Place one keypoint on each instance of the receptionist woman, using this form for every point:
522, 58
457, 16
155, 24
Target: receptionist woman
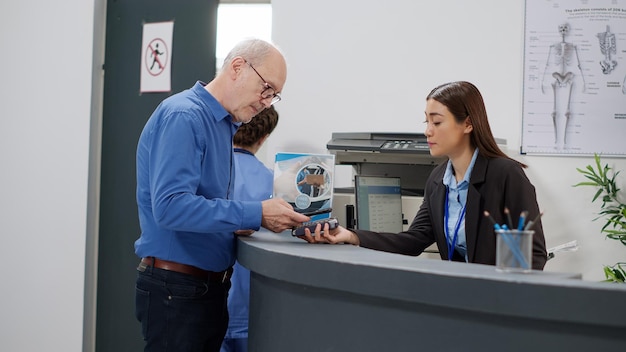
478, 177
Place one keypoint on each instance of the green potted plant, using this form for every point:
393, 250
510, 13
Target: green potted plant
612, 210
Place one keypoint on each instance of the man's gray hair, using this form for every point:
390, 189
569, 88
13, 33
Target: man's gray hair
253, 50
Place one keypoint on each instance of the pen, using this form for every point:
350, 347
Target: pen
495, 224
532, 222
522, 220
508, 216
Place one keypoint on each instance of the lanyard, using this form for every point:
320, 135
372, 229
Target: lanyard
452, 245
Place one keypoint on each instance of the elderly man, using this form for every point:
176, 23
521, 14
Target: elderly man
184, 195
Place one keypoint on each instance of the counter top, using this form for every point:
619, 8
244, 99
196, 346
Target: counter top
339, 271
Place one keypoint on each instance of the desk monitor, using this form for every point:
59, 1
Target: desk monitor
378, 203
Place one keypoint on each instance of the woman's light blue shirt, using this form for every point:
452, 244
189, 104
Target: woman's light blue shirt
457, 200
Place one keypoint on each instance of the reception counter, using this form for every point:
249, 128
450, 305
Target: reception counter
343, 298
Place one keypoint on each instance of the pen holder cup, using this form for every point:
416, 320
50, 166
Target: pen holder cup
514, 250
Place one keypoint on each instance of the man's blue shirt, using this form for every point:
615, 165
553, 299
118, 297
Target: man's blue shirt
184, 180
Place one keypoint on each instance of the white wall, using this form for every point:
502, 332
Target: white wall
370, 70
45, 112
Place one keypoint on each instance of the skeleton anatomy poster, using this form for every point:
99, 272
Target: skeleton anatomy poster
574, 77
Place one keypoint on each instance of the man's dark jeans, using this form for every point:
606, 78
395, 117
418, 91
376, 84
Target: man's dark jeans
179, 312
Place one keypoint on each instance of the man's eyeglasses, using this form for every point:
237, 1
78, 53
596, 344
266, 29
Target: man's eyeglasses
269, 91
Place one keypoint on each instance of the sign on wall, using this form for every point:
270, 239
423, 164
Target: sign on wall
574, 77
156, 57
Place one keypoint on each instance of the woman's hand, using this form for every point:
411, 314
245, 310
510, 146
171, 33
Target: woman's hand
334, 236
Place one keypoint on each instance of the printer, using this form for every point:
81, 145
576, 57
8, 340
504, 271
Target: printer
404, 155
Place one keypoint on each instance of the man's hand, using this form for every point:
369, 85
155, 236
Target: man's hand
279, 216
